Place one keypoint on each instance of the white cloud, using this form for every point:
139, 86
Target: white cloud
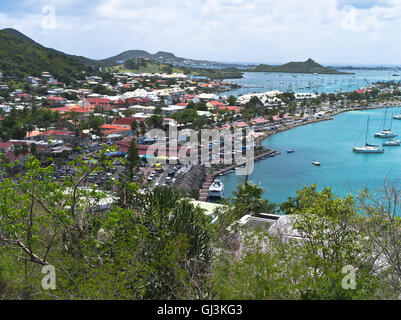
225, 30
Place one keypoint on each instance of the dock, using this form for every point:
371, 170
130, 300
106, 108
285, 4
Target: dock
204, 192
269, 153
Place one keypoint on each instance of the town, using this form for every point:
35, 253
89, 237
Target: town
44, 117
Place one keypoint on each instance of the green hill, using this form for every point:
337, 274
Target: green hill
21, 56
309, 66
135, 54
153, 66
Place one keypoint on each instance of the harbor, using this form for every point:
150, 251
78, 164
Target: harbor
330, 143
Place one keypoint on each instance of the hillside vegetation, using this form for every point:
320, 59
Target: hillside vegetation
20, 57
309, 66
152, 66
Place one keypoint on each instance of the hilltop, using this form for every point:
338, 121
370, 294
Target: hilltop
308, 66
21, 56
134, 54
138, 65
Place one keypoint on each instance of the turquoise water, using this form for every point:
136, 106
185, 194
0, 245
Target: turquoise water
263, 81
330, 143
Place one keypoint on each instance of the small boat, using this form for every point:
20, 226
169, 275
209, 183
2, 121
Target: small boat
392, 143
316, 163
290, 151
216, 190
397, 117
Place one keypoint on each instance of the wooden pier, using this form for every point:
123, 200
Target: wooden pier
269, 153
204, 192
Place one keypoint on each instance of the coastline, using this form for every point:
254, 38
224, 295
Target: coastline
263, 135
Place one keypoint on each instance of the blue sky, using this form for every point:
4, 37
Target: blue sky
271, 31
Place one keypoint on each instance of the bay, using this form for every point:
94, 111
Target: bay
331, 143
300, 82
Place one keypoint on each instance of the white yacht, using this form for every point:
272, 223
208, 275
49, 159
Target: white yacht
385, 133
368, 148
316, 163
216, 190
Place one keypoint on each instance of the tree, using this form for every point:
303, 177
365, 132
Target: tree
324, 238
154, 122
231, 100
127, 175
163, 249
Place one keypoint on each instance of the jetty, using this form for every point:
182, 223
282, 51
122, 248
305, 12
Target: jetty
204, 192
267, 154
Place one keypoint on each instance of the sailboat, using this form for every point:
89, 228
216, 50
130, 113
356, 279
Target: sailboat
385, 133
392, 143
368, 148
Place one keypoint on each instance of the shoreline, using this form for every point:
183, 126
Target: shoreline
267, 134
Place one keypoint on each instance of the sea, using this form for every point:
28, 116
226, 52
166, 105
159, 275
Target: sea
329, 142
299, 82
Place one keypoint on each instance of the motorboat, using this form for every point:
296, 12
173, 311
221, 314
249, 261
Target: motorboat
316, 163
216, 190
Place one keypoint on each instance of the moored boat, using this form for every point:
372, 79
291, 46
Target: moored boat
316, 163
216, 190
392, 143
386, 133
368, 148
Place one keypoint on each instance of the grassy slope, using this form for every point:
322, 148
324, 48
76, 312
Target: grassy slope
308, 66
20, 57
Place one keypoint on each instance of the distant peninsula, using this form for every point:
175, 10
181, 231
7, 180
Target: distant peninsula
308, 66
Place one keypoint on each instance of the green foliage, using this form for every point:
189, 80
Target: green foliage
309, 267
19, 58
308, 66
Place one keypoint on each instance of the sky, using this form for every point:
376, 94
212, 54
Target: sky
257, 31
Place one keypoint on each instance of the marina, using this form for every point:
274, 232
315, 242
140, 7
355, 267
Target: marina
331, 142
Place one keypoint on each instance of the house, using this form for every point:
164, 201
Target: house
172, 109
208, 97
259, 122
230, 108
99, 102
118, 132
214, 104
142, 109
5, 147
56, 101
301, 96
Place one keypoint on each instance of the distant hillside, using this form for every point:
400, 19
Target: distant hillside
134, 54
308, 66
17, 34
153, 66
21, 56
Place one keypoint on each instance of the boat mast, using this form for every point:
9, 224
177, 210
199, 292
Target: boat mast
367, 129
384, 121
